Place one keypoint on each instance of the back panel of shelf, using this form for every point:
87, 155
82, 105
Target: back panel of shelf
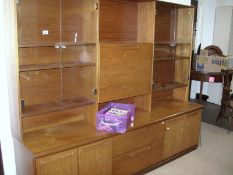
126, 21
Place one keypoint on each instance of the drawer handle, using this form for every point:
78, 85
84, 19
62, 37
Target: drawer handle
163, 123
128, 46
168, 128
139, 151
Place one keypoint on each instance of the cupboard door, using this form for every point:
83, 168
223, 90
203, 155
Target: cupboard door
96, 158
173, 142
192, 129
64, 163
125, 71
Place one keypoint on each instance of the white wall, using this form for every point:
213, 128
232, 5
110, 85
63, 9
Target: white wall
8, 90
206, 18
183, 2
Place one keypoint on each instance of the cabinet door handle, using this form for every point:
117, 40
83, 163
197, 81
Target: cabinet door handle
168, 128
163, 123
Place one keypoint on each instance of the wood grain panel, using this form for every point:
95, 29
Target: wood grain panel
163, 24
136, 139
192, 129
161, 94
146, 21
34, 16
40, 87
82, 54
182, 71
39, 55
118, 21
96, 158
184, 26
138, 159
125, 71
90, 21
78, 82
163, 71
173, 142
143, 102
71, 20
181, 93
64, 163
78, 20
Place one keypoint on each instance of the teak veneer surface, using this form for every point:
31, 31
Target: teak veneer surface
62, 137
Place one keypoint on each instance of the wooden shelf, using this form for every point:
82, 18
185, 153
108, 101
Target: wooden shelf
168, 43
77, 102
40, 109
51, 107
33, 67
77, 64
53, 44
168, 86
164, 58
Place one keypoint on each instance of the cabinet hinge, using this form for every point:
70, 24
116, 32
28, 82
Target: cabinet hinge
96, 5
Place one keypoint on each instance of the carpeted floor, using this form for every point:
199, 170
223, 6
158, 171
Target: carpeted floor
213, 157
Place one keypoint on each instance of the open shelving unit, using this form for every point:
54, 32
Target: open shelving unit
172, 50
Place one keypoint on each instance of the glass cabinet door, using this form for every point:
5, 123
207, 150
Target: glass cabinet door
78, 51
38, 22
39, 56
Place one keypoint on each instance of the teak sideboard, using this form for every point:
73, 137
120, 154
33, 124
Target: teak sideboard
76, 56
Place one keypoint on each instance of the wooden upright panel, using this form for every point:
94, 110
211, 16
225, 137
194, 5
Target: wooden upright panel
192, 129
38, 22
64, 163
146, 21
96, 158
125, 71
184, 25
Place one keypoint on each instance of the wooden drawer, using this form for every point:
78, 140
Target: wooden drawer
125, 71
138, 159
138, 138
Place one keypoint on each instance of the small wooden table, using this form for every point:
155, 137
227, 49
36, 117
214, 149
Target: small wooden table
204, 77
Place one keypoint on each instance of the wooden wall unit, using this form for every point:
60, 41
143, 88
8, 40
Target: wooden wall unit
77, 56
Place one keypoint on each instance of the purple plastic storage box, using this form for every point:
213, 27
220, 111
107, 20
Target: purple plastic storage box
115, 117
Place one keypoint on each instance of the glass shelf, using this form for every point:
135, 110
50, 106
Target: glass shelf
34, 67
167, 86
164, 58
52, 107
